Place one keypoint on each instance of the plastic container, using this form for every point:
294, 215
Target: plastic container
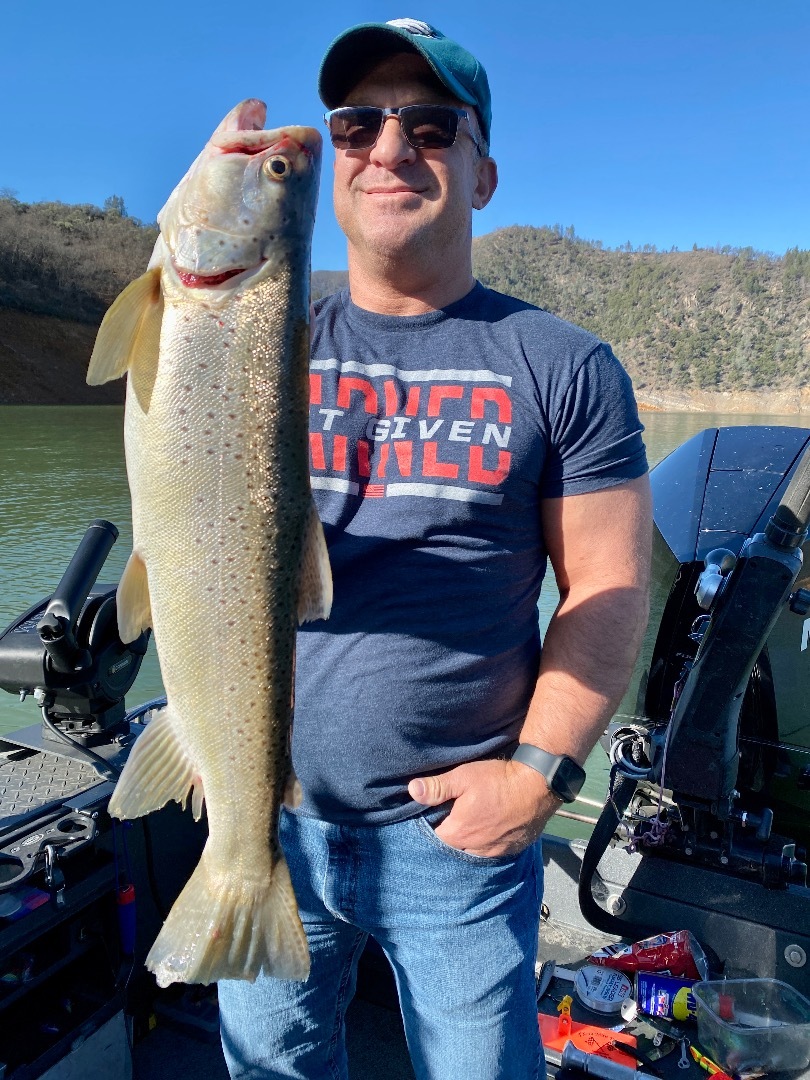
753, 1025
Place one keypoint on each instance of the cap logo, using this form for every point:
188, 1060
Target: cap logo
414, 26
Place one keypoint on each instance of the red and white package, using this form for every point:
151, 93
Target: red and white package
677, 953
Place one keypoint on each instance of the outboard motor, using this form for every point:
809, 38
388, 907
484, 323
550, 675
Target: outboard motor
711, 746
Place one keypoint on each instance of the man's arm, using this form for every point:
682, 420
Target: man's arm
599, 546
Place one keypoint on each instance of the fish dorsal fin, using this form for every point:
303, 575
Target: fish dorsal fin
315, 592
129, 335
134, 605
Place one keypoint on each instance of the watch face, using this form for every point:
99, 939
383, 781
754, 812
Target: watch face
568, 779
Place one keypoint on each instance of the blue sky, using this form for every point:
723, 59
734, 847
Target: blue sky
669, 124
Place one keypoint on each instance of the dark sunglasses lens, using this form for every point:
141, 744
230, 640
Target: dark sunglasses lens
429, 127
355, 129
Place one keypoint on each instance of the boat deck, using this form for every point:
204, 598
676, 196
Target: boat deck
375, 1039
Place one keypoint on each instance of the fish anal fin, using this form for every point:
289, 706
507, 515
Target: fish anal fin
134, 604
221, 928
315, 589
129, 335
158, 770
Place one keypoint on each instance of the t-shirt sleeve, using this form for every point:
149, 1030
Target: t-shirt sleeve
595, 439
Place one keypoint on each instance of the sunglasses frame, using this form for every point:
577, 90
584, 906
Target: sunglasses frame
384, 113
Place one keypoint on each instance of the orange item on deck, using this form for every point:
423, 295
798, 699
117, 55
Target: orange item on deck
586, 1037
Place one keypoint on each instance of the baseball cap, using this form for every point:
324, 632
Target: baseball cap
456, 68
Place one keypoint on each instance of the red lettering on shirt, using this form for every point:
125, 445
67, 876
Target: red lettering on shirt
482, 394
364, 457
432, 467
391, 397
316, 450
315, 389
339, 453
438, 394
383, 459
412, 406
347, 383
404, 453
480, 475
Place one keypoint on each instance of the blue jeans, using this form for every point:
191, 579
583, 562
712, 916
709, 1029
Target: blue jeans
459, 930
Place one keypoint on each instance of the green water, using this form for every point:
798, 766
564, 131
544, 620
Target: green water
62, 467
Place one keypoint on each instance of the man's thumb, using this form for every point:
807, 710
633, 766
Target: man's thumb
435, 790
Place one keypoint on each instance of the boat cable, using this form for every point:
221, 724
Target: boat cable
105, 768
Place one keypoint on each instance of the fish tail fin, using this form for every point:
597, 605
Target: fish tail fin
219, 928
158, 770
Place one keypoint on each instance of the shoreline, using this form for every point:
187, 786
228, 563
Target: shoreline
794, 402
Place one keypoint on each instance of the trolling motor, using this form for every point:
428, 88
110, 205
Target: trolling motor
66, 652
711, 746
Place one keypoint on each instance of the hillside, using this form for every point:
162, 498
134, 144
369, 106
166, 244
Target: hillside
683, 321
726, 329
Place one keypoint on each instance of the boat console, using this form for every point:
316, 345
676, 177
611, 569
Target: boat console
71, 952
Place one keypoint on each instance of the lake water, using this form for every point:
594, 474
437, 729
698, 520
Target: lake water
62, 467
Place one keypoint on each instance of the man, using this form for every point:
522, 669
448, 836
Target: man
458, 438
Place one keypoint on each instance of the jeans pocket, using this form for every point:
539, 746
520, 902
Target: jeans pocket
427, 824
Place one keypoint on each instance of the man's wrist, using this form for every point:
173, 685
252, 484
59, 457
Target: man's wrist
562, 774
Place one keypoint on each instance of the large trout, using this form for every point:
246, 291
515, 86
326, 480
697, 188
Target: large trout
228, 551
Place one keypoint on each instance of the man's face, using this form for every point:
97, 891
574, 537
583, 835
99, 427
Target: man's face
393, 200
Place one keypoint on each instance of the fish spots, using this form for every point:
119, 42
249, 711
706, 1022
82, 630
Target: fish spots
202, 367
210, 415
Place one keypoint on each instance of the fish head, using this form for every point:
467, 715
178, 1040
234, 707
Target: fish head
246, 204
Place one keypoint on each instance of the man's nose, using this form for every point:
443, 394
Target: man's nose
392, 148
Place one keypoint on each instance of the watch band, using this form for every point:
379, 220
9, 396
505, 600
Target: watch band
565, 786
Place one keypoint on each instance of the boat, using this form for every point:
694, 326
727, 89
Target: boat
705, 828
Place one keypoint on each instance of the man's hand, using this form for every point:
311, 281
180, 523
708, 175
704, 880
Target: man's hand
499, 807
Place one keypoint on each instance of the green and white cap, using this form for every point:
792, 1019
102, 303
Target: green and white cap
352, 51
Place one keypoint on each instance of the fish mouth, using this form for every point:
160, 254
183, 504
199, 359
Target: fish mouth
208, 281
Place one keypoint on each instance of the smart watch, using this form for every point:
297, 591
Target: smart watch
562, 774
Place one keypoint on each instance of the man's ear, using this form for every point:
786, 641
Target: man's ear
486, 182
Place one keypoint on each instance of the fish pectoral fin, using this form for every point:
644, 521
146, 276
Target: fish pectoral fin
158, 769
133, 601
315, 592
293, 792
129, 335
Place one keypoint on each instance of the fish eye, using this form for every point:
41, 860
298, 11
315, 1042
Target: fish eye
277, 167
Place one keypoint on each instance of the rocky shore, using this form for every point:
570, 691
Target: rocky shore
747, 402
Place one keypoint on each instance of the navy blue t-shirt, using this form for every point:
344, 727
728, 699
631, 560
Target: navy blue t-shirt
433, 440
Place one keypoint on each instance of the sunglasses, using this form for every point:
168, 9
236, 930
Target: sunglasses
426, 127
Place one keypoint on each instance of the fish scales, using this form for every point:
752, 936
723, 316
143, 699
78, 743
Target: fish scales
228, 553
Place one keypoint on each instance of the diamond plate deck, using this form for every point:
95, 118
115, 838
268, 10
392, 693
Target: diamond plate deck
31, 779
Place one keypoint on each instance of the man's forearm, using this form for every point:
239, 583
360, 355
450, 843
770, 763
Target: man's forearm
589, 650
